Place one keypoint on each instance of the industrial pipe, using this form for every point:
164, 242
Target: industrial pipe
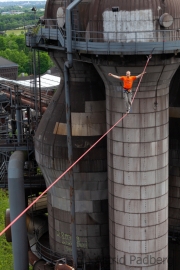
69, 32
36, 227
60, 266
32, 257
68, 65
19, 123
26, 102
70, 173
37, 223
41, 264
17, 206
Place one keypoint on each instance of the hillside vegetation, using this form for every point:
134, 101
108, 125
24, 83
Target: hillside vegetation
13, 48
6, 261
8, 22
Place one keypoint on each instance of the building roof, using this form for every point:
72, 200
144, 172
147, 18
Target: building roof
6, 63
47, 82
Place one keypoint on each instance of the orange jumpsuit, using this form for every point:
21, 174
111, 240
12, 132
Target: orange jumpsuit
127, 92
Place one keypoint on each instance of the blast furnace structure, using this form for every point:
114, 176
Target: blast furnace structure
87, 40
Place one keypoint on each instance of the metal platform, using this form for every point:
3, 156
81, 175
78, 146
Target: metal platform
51, 36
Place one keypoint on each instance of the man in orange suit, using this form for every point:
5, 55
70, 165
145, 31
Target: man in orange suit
127, 87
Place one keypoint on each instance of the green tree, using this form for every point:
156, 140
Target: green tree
8, 22
12, 45
45, 62
20, 40
2, 43
6, 261
13, 48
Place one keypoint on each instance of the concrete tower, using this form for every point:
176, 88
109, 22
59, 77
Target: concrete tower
138, 146
138, 169
90, 174
115, 36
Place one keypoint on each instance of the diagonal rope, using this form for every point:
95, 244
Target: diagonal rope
89, 149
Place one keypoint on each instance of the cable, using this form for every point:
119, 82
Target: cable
89, 149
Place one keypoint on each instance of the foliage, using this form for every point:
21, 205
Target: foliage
45, 62
16, 5
35, 29
13, 48
6, 261
8, 22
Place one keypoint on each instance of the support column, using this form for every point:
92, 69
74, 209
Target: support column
88, 123
17, 206
138, 169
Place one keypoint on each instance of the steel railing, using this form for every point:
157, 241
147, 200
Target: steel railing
50, 255
102, 36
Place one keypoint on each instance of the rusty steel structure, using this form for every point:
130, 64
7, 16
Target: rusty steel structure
88, 123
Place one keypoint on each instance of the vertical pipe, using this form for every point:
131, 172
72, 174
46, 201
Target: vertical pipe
69, 31
40, 106
71, 176
35, 84
67, 65
17, 205
10, 96
19, 124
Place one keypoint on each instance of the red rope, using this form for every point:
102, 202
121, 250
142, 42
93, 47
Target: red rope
25, 210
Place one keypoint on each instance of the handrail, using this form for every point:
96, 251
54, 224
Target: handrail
11, 141
50, 255
53, 25
110, 42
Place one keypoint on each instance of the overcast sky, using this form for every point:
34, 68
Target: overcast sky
22, 0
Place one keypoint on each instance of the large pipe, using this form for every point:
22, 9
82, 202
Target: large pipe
19, 123
35, 84
69, 31
60, 266
38, 224
17, 205
67, 65
70, 158
27, 102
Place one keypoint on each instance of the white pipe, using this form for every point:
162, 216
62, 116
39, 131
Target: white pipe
17, 205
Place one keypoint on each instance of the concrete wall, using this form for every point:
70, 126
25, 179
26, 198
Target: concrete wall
138, 168
9, 72
174, 153
90, 174
174, 174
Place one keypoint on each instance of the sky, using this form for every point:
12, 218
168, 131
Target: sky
23, 0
